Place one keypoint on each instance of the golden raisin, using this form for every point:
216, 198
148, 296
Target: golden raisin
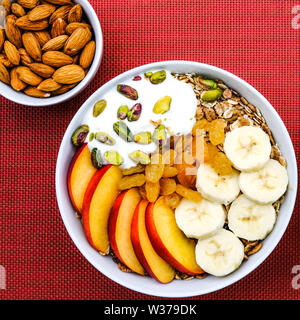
170, 172
216, 131
154, 172
221, 164
188, 194
132, 170
167, 186
172, 200
187, 175
200, 125
200, 150
135, 180
152, 190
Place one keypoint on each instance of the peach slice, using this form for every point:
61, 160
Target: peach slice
157, 268
120, 229
80, 173
99, 198
168, 240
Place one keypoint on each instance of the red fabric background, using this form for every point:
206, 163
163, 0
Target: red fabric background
252, 39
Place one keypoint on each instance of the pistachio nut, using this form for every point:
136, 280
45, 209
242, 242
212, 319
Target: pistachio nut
123, 131
208, 83
143, 137
79, 135
96, 158
127, 91
160, 135
113, 157
148, 74
122, 112
211, 95
158, 77
162, 105
99, 107
91, 137
139, 157
105, 138
135, 112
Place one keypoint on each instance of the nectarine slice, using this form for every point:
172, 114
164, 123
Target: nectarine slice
99, 198
168, 240
120, 229
80, 173
157, 268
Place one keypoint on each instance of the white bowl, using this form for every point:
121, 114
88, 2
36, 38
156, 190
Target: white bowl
177, 288
21, 98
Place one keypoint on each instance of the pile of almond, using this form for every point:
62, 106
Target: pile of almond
46, 46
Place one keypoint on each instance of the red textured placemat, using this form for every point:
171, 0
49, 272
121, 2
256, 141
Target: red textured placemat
252, 39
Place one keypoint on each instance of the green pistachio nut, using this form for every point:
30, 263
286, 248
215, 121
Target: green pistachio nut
207, 83
148, 74
122, 112
139, 157
160, 135
134, 113
162, 105
96, 158
127, 91
143, 137
105, 138
123, 131
79, 135
113, 157
91, 137
158, 77
99, 107
211, 95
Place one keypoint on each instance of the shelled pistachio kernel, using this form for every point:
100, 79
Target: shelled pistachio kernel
105, 138
139, 157
148, 74
123, 131
211, 84
96, 158
91, 137
127, 91
99, 107
79, 135
143, 137
113, 157
134, 113
158, 77
162, 105
160, 135
122, 112
211, 95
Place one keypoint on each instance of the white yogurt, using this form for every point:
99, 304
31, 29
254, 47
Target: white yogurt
179, 119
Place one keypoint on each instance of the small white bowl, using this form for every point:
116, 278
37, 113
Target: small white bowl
177, 288
21, 98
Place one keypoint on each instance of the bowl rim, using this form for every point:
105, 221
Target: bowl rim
134, 284
23, 99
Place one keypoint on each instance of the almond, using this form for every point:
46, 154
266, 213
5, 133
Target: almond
12, 53
56, 59
13, 33
15, 82
69, 74
42, 37
4, 60
25, 24
25, 57
63, 89
7, 5
4, 74
58, 28
75, 14
61, 12
32, 46
26, 75
17, 10
28, 4
41, 69
60, 2
71, 27
2, 38
35, 92
41, 12
78, 39
87, 55
49, 85
55, 43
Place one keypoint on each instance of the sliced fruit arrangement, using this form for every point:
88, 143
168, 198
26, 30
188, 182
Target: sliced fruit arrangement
199, 203
47, 46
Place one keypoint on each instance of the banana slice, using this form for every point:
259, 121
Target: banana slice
265, 185
249, 220
199, 219
219, 189
248, 148
220, 254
